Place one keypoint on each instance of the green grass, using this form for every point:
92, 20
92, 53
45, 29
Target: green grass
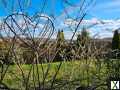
74, 72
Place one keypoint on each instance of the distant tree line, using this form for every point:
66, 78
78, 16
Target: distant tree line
84, 47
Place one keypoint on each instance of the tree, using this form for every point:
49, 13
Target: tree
60, 45
60, 38
82, 44
116, 40
82, 38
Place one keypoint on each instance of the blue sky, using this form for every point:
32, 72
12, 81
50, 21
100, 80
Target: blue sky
100, 10
106, 9
103, 9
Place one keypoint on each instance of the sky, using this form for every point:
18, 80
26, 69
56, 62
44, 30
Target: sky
104, 13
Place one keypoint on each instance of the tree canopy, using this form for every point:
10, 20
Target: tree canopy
116, 40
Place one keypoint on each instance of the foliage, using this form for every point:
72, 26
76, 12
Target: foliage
60, 46
28, 56
116, 40
5, 53
83, 38
82, 43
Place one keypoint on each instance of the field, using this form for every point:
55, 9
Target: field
70, 75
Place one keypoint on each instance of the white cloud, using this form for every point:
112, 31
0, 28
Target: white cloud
104, 28
27, 27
